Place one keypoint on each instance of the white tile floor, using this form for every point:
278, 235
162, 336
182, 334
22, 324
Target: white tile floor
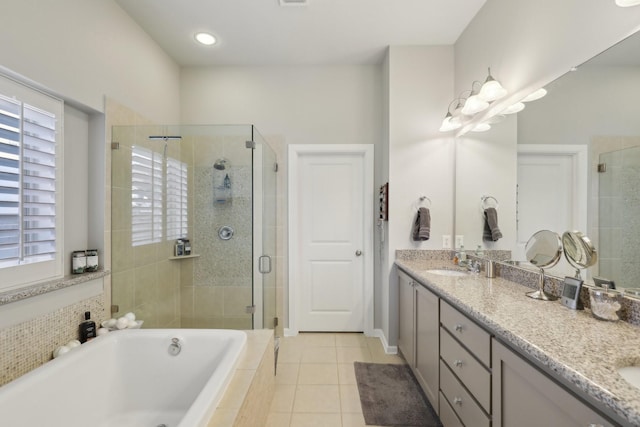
316, 383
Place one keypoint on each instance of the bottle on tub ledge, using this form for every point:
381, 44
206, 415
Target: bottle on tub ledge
87, 328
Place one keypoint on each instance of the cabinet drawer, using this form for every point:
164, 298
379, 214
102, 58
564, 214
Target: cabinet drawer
472, 336
448, 416
460, 400
471, 373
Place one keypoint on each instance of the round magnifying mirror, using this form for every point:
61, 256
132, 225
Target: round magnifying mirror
543, 250
578, 250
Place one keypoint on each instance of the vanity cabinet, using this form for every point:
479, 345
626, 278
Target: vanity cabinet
465, 369
418, 337
406, 320
523, 396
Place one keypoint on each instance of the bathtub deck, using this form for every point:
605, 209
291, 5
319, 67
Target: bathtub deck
248, 397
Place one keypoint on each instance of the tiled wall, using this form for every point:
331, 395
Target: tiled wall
616, 206
28, 345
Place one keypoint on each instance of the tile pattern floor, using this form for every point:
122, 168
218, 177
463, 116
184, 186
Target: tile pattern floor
316, 383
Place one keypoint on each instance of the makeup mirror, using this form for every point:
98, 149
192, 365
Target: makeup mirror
579, 251
543, 250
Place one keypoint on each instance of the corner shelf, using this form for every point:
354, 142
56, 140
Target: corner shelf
184, 257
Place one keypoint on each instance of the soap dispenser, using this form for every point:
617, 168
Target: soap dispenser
87, 328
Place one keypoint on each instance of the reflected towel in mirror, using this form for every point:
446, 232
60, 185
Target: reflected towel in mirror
491, 231
422, 225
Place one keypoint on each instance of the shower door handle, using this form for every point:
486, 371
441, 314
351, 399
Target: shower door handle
261, 264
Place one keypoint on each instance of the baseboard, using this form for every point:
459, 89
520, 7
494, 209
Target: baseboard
388, 349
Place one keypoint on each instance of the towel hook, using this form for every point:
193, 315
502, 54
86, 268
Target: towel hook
421, 203
486, 202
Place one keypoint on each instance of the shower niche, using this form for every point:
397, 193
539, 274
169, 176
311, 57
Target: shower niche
208, 179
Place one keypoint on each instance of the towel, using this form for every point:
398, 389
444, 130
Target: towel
422, 225
491, 231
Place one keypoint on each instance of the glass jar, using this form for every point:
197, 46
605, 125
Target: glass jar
605, 304
78, 262
92, 260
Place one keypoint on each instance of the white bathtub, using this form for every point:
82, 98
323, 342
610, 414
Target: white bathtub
127, 379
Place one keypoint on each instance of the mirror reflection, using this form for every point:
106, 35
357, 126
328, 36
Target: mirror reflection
575, 166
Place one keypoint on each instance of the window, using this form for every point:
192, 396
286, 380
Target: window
149, 192
30, 179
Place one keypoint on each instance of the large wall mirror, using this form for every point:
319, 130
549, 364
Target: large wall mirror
574, 165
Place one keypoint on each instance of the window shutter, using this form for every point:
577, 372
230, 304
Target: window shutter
176, 199
146, 196
10, 125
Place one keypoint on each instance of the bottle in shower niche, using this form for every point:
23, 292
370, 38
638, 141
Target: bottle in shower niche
87, 328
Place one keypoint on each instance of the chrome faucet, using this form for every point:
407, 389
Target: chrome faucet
474, 266
175, 347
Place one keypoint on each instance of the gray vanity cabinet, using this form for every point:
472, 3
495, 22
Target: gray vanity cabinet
523, 396
406, 320
427, 367
418, 338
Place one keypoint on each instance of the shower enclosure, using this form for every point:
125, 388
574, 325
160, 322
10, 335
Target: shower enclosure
214, 185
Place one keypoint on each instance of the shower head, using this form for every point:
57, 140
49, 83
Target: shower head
220, 164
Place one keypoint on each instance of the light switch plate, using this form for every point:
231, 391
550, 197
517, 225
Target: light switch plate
459, 240
446, 241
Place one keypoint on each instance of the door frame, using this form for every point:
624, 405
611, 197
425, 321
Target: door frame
295, 152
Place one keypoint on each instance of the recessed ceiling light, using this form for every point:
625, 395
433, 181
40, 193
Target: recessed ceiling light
205, 39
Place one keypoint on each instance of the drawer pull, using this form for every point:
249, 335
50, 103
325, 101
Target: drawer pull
457, 401
457, 363
458, 328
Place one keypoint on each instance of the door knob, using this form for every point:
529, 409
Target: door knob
358, 252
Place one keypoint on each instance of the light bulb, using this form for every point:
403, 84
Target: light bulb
205, 39
492, 90
517, 107
474, 105
537, 94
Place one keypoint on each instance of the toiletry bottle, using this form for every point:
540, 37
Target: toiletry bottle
463, 255
87, 328
456, 257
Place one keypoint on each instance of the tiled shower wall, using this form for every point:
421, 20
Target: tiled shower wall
616, 204
144, 279
217, 286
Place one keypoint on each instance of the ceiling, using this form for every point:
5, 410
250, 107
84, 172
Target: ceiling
327, 32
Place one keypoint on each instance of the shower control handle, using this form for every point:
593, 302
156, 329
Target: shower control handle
358, 252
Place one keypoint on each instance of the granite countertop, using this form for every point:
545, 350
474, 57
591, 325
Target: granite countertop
571, 345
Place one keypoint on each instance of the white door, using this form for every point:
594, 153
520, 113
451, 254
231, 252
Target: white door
331, 220
552, 192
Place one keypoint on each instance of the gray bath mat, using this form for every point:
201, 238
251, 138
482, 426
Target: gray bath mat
390, 396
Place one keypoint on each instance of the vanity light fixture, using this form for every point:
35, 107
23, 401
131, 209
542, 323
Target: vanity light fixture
627, 3
451, 121
206, 39
491, 89
535, 95
474, 103
514, 108
481, 127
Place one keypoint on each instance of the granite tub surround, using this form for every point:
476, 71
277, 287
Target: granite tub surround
571, 346
50, 286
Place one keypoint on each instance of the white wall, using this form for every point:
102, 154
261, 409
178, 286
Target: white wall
291, 105
420, 159
82, 50
486, 166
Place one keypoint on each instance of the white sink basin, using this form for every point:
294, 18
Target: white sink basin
631, 374
444, 272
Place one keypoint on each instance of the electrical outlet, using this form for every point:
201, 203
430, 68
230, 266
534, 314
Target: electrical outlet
446, 241
459, 240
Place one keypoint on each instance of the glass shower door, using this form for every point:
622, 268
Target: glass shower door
264, 170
